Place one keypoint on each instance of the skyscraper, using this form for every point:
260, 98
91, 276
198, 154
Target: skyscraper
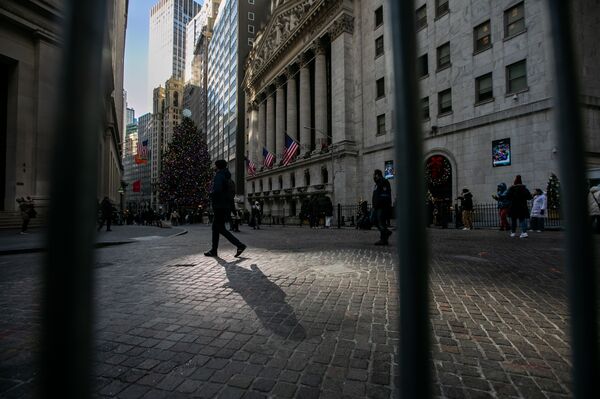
166, 48
233, 36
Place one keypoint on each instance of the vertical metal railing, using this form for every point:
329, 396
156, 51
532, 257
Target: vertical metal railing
67, 297
581, 268
413, 351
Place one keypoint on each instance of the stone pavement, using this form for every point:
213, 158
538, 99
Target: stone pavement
306, 314
11, 242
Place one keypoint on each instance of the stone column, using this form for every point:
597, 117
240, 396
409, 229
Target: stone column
304, 105
270, 121
253, 140
279, 119
292, 113
343, 176
262, 128
342, 91
320, 93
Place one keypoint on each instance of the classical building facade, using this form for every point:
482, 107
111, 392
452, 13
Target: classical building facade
320, 72
31, 41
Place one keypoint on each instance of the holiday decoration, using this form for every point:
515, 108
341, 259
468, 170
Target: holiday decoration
437, 170
553, 192
187, 170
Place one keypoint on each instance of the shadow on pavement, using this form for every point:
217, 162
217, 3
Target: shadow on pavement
265, 298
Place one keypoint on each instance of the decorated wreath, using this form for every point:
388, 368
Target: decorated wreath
437, 170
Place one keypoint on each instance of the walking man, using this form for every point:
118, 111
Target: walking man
222, 202
107, 209
466, 202
382, 204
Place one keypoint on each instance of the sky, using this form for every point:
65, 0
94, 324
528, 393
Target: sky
136, 56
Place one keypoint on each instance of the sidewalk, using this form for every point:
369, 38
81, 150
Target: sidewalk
11, 242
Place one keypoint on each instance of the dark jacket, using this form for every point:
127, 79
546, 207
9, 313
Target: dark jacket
502, 195
221, 196
325, 206
518, 196
106, 207
382, 194
466, 201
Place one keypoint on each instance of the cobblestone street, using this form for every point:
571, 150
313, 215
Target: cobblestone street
305, 314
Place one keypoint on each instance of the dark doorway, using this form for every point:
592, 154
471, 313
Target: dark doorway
438, 176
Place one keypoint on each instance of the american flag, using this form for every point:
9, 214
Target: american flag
291, 147
142, 153
269, 158
251, 167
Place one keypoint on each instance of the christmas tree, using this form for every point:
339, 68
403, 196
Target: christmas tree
553, 192
186, 169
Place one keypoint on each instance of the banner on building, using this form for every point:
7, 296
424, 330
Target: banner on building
142, 153
137, 186
501, 155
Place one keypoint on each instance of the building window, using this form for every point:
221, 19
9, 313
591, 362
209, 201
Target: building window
250, 16
250, 28
443, 56
422, 66
379, 46
306, 177
514, 20
425, 108
483, 88
441, 8
380, 124
445, 102
421, 21
482, 37
261, 185
380, 84
253, 187
270, 184
293, 179
280, 182
516, 77
324, 175
250, 41
379, 17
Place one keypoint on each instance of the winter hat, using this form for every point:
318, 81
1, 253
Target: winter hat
465, 190
518, 180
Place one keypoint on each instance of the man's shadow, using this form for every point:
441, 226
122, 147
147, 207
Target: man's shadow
265, 298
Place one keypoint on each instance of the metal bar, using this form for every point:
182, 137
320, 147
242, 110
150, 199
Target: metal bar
413, 351
579, 257
67, 301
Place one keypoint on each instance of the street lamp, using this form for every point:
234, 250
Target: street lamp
332, 160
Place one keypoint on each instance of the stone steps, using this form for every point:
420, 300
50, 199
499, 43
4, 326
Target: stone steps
12, 220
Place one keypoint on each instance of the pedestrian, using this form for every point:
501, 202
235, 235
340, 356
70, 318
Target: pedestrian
222, 198
382, 204
538, 211
313, 213
503, 205
466, 204
326, 209
255, 216
594, 207
27, 212
518, 195
106, 210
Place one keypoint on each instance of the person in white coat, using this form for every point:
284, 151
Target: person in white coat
538, 210
594, 207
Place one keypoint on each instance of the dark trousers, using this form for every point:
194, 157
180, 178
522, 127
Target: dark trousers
521, 221
25, 224
381, 221
537, 223
106, 219
218, 228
